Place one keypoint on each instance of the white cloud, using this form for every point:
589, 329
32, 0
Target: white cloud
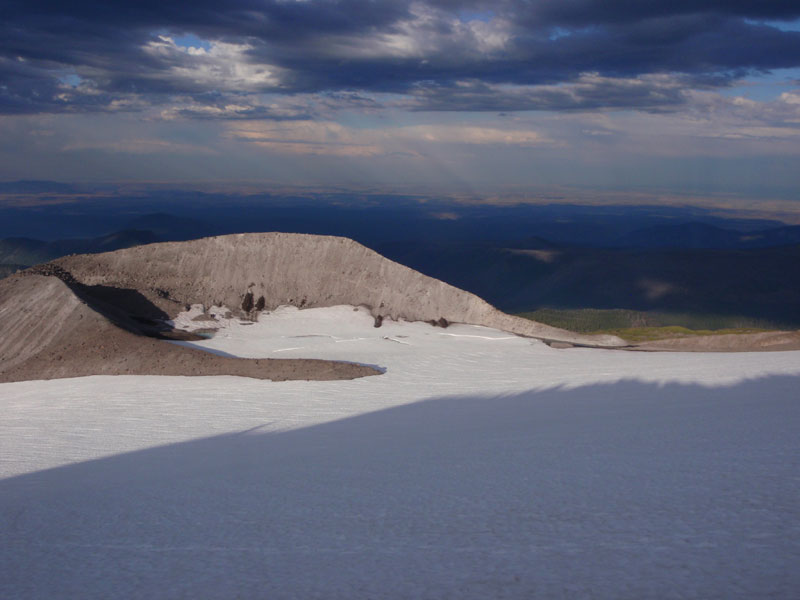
471, 134
223, 66
427, 33
306, 137
139, 146
328, 137
792, 97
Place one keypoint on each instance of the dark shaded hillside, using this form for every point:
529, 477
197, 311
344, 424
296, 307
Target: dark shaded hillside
703, 235
171, 228
760, 283
113, 241
10, 269
23, 251
19, 253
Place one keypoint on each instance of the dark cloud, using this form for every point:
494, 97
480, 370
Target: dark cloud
592, 12
27, 88
591, 92
235, 17
427, 50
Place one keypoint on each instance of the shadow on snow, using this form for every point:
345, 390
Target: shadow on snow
628, 489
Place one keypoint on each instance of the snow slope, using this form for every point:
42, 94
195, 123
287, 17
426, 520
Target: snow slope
480, 465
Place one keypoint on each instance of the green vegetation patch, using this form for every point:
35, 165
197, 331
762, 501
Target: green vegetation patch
642, 326
649, 334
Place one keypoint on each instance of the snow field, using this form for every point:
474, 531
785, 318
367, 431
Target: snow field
479, 465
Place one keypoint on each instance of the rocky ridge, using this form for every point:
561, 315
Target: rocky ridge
300, 270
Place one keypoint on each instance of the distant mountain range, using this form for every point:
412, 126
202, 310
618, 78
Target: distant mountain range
25, 252
703, 235
35, 186
167, 227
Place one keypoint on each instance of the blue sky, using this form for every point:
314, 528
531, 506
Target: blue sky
695, 97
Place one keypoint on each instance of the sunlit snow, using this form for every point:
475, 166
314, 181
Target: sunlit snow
479, 465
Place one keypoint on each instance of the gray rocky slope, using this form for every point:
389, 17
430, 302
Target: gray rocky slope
51, 328
300, 270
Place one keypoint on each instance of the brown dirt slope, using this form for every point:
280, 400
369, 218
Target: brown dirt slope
47, 331
300, 270
741, 342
